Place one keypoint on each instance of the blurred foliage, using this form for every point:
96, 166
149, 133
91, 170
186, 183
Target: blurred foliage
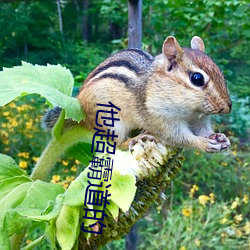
30, 32
199, 223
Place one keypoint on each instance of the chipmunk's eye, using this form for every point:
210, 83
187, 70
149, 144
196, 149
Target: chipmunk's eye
197, 79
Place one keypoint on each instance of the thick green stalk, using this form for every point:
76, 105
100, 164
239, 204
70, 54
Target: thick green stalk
52, 153
58, 146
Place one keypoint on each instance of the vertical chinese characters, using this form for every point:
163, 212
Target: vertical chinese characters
109, 134
101, 168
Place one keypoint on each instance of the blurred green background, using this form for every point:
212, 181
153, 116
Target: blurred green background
207, 206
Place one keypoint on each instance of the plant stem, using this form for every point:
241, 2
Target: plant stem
52, 153
56, 147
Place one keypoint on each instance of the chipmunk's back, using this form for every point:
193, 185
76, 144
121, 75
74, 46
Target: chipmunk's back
124, 66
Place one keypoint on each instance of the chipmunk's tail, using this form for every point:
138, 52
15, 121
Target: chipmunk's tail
50, 117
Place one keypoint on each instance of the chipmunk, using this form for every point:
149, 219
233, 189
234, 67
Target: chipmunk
170, 97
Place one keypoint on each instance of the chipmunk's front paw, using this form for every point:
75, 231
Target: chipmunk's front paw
141, 139
217, 142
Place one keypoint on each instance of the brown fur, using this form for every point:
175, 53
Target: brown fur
156, 95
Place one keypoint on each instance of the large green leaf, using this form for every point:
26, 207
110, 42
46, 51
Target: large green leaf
39, 194
53, 82
22, 200
67, 226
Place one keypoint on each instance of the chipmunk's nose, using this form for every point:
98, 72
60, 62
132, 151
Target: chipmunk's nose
227, 108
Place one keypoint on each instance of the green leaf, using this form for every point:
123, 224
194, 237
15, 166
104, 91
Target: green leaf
14, 223
81, 151
50, 234
4, 240
122, 190
11, 183
75, 194
39, 194
14, 198
9, 168
46, 216
67, 225
53, 82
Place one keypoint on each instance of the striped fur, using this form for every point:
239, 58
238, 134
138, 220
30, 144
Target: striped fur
134, 61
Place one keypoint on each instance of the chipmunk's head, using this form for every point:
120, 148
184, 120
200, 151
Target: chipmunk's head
197, 75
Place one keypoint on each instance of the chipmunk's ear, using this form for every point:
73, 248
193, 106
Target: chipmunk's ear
171, 49
197, 43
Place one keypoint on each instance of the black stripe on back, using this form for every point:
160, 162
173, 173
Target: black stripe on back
142, 53
118, 77
118, 63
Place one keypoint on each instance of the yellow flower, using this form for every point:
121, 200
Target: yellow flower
23, 107
4, 134
197, 242
211, 195
23, 164
65, 163
6, 141
14, 123
70, 178
73, 168
55, 178
29, 124
223, 220
77, 162
6, 149
183, 248
245, 199
6, 113
224, 164
247, 227
35, 159
24, 154
193, 190
12, 105
235, 203
187, 211
203, 199
65, 185
238, 218
234, 152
